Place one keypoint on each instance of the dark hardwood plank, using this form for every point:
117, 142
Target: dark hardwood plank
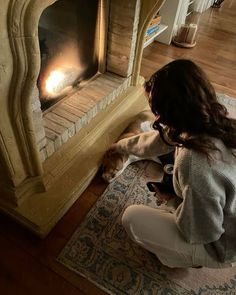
44, 252
22, 274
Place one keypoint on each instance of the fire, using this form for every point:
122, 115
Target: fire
54, 81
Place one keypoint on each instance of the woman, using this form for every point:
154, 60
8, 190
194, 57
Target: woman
189, 119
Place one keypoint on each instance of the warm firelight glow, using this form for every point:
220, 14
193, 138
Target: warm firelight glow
54, 81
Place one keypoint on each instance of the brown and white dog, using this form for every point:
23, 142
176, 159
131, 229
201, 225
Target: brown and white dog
114, 163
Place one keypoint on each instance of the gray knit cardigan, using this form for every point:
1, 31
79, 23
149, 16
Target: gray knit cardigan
207, 213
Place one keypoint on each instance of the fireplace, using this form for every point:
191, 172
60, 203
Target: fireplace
52, 141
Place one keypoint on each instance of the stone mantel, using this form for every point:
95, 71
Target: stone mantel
22, 173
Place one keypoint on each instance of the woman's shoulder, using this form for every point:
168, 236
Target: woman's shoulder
215, 158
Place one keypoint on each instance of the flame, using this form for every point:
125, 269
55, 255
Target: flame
53, 82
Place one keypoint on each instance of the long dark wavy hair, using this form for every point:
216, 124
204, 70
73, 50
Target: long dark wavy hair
183, 98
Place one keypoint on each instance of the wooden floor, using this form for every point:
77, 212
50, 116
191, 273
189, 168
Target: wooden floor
27, 264
215, 51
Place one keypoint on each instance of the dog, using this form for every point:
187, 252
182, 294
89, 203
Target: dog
114, 163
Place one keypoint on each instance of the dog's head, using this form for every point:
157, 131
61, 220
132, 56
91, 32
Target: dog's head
112, 166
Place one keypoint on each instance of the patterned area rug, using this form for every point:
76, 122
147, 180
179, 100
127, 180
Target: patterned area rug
100, 250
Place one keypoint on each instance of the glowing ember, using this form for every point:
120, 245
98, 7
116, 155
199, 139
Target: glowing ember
54, 81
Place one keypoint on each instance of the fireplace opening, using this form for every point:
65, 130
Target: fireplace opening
69, 48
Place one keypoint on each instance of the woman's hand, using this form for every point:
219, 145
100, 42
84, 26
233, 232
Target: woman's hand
162, 197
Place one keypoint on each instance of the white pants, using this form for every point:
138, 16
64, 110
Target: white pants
156, 231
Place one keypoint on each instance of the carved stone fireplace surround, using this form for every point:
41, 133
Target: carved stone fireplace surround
39, 182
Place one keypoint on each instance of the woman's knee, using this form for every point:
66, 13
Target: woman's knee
130, 215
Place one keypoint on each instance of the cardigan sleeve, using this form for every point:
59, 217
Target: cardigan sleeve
200, 216
146, 144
